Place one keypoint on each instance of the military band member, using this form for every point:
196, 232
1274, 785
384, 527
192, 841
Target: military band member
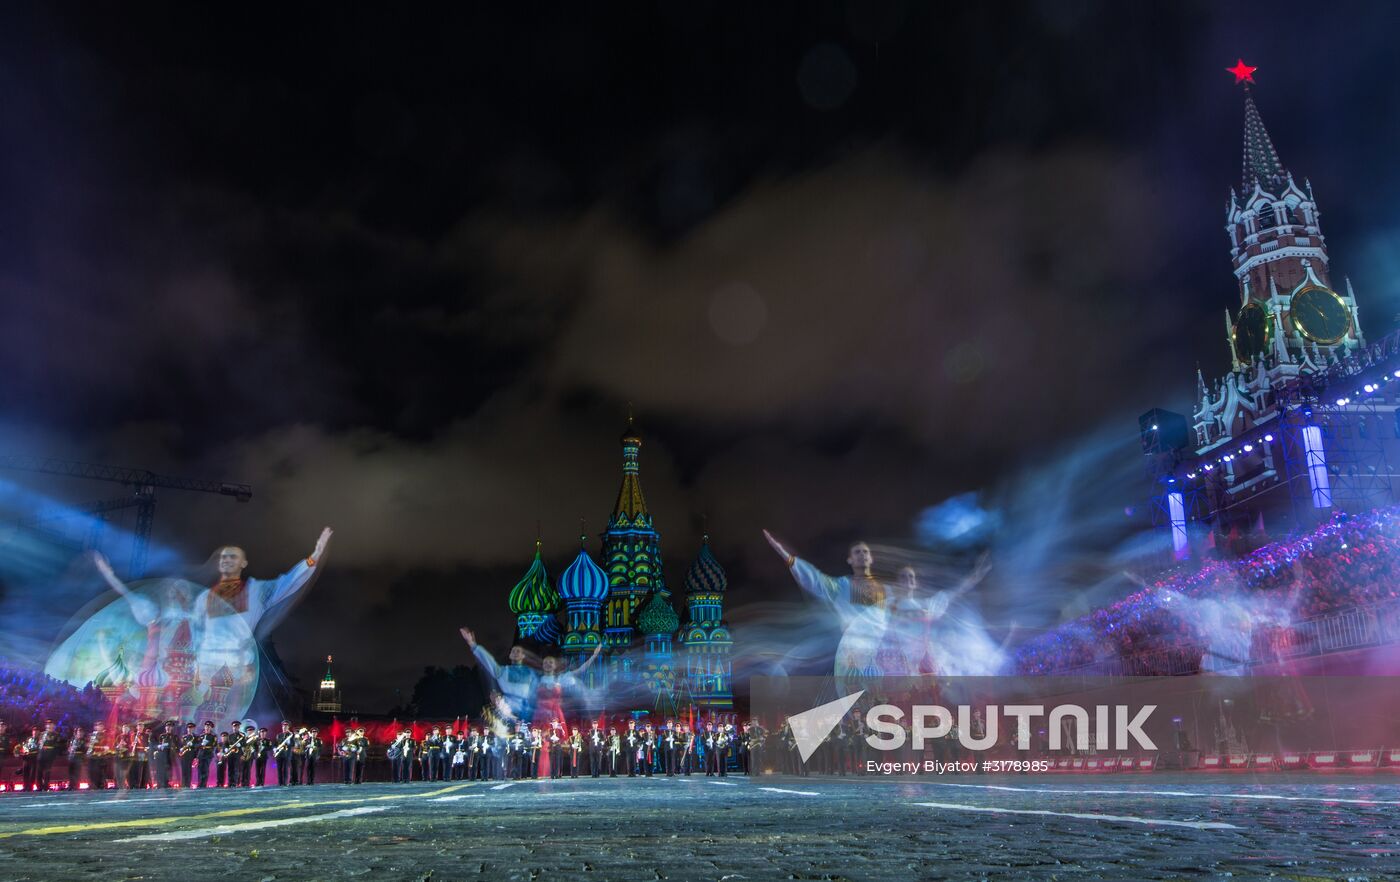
262, 749
49, 746
689, 746
311, 755
282, 755
631, 744
162, 747
459, 757
28, 752
121, 755
221, 760
342, 751
205, 750
614, 752
476, 755
647, 754
433, 747
247, 754
77, 757
575, 750
400, 756
232, 773
99, 755
668, 747
186, 754
596, 745
555, 745
360, 746
753, 757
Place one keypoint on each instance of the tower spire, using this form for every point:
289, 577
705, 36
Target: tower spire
1260, 164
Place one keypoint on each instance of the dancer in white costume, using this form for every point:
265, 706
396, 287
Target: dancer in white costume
857, 599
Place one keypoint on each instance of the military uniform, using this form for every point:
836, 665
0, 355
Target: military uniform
400, 755
186, 754
77, 757
310, 757
282, 755
49, 746
161, 748
205, 749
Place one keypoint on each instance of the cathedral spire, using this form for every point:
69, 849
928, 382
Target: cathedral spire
630, 500
1261, 164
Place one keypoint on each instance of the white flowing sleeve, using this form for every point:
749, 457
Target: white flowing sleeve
819, 584
485, 658
275, 591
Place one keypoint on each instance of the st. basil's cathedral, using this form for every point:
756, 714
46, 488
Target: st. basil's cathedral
625, 606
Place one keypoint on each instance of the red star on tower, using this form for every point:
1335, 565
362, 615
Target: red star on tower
1243, 72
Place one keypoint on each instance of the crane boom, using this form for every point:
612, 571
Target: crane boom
144, 500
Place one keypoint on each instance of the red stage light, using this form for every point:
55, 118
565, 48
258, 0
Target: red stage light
83, 786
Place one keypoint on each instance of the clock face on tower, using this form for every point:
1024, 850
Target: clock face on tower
1251, 332
1320, 315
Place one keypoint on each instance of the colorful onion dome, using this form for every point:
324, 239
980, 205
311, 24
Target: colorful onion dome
706, 575
583, 580
222, 678
152, 678
658, 617
115, 674
533, 593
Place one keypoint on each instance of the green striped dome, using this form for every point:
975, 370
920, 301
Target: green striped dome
533, 593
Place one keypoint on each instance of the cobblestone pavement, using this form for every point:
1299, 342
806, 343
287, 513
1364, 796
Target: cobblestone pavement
1155, 826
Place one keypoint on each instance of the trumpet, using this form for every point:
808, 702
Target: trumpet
299, 741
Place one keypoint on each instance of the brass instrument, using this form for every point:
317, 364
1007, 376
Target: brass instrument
248, 746
299, 741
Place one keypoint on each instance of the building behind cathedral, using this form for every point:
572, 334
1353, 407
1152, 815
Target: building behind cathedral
651, 651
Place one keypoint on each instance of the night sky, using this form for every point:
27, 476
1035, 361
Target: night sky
405, 274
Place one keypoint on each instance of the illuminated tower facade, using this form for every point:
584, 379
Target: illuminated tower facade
1304, 422
658, 623
328, 693
631, 557
707, 640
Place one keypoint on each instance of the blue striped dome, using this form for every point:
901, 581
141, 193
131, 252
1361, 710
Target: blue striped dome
583, 580
706, 575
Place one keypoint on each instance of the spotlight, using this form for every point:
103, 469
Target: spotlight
1209, 466
1396, 375
1248, 448
1154, 427
1268, 437
1341, 402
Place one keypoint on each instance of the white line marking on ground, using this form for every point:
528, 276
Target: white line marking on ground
1278, 796
796, 792
725, 783
131, 800
1121, 819
453, 798
505, 785
249, 826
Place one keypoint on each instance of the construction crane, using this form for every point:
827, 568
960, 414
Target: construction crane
143, 499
